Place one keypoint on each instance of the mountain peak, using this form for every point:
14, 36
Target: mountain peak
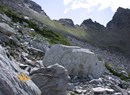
121, 18
87, 22
66, 22
120, 9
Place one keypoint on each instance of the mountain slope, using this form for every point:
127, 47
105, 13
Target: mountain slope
114, 37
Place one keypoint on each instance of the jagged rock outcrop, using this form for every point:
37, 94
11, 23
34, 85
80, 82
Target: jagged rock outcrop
52, 80
90, 24
11, 83
119, 30
66, 22
35, 6
95, 32
76, 60
20, 5
120, 19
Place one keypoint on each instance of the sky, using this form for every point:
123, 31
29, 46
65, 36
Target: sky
100, 11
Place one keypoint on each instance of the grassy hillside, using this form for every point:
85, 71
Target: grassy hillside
52, 36
77, 31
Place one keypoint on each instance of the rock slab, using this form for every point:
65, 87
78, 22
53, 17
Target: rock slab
10, 84
51, 80
6, 29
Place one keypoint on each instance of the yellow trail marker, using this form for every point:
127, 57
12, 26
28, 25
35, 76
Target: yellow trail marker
23, 77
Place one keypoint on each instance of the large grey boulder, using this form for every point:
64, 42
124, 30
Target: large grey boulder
6, 29
11, 81
76, 60
51, 80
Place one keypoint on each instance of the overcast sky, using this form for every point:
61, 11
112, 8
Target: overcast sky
79, 10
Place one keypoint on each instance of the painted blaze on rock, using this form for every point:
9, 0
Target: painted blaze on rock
76, 60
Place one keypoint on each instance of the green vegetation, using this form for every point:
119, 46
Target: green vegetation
114, 72
52, 36
14, 16
72, 93
75, 31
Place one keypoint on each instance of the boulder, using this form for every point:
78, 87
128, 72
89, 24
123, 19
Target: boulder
51, 80
13, 80
76, 60
6, 29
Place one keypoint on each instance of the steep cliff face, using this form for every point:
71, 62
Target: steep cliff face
121, 19
119, 29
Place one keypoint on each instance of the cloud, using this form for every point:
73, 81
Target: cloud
66, 10
91, 4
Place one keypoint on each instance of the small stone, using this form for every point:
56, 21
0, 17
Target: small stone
23, 66
109, 91
27, 18
99, 90
128, 92
24, 54
78, 91
96, 81
118, 93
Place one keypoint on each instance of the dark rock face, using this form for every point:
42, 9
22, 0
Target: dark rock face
90, 24
95, 32
119, 29
121, 19
67, 22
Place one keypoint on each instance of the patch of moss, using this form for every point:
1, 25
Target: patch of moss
121, 76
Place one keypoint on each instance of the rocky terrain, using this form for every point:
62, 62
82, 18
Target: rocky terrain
39, 56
